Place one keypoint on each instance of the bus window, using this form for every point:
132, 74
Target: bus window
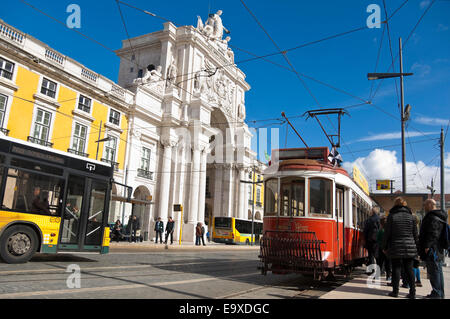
298, 198
222, 222
354, 210
271, 198
96, 210
320, 197
32, 193
72, 212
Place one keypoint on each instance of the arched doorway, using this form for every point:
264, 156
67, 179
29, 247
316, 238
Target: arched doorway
143, 211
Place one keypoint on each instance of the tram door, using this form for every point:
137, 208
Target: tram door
84, 214
340, 224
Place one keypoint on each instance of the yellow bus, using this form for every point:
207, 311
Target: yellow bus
230, 230
51, 201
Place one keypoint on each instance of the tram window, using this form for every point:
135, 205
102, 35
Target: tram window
32, 193
2, 160
298, 198
36, 166
285, 195
320, 197
271, 198
339, 202
354, 210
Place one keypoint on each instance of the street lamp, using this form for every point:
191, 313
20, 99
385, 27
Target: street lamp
101, 140
403, 113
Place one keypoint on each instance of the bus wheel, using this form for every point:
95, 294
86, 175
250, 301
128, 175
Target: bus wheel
18, 244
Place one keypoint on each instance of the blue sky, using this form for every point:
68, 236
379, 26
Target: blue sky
341, 62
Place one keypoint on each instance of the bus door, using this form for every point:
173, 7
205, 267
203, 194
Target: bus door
84, 214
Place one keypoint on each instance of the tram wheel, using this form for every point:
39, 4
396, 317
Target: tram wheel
18, 244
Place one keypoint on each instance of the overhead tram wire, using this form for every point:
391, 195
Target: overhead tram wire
404, 43
390, 49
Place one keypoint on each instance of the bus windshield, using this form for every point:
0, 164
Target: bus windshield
222, 222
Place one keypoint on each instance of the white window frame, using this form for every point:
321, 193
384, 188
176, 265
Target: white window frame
149, 159
111, 110
86, 142
80, 96
56, 89
12, 79
105, 146
9, 99
52, 119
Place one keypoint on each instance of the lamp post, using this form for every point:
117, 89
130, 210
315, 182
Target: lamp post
101, 140
403, 115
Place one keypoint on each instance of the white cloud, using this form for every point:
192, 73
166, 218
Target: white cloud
431, 121
441, 27
421, 69
384, 164
392, 136
424, 3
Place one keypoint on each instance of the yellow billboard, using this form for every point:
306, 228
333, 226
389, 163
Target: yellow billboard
384, 184
360, 180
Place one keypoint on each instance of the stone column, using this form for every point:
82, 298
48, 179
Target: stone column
242, 188
164, 186
218, 180
195, 184
202, 187
227, 191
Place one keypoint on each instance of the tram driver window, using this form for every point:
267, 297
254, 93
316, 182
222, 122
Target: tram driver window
320, 197
271, 198
32, 193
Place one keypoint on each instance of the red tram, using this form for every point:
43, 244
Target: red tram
314, 214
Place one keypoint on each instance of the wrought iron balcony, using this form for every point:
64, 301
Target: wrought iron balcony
73, 151
39, 141
114, 164
144, 173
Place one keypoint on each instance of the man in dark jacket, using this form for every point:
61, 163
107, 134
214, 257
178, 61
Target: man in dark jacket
159, 228
371, 228
429, 249
170, 227
133, 226
400, 244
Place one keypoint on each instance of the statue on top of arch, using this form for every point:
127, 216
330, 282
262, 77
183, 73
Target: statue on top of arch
213, 27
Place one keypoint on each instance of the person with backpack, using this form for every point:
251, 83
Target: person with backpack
371, 228
400, 245
433, 239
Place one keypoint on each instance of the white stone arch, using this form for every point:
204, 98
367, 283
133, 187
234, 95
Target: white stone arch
143, 212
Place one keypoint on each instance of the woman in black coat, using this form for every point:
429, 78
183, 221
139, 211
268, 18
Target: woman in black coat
400, 244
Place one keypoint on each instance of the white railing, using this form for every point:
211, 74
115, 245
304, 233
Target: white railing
11, 33
52, 55
89, 75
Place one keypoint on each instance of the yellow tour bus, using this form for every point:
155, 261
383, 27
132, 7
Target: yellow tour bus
51, 201
230, 230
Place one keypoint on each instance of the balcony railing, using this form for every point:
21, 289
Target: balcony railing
73, 151
39, 141
114, 164
11, 33
144, 173
4, 131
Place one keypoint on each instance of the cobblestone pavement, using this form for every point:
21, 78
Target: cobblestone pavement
134, 271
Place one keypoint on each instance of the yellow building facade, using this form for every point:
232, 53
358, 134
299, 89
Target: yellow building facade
49, 99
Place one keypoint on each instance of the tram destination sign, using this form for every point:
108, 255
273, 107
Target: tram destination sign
37, 155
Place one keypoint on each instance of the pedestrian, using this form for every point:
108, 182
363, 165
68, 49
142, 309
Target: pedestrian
371, 227
400, 245
198, 234
383, 261
134, 227
159, 228
429, 249
117, 230
169, 230
203, 234
417, 261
